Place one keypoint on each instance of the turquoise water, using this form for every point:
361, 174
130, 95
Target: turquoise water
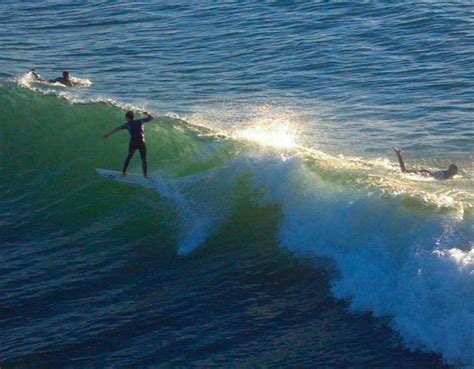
278, 230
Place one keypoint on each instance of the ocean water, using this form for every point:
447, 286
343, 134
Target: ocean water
276, 229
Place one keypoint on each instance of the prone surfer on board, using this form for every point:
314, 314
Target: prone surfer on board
137, 139
440, 174
65, 79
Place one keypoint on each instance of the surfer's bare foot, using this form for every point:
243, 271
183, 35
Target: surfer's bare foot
145, 176
124, 174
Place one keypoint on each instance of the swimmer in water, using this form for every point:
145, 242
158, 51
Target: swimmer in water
64, 80
440, 174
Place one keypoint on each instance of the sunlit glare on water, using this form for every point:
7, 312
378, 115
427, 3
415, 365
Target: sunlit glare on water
281, 136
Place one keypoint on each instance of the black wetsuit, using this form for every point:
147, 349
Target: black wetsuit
137, 134
137, 140
62, 80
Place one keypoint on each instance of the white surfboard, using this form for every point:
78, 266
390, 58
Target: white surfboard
131, 178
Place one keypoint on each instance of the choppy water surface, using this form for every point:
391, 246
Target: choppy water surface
278, 230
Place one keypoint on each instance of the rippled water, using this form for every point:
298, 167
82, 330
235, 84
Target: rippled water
358, 78
278, 231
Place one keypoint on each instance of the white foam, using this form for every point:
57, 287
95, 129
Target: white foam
80, 82
417, 268
70, 95
28, 80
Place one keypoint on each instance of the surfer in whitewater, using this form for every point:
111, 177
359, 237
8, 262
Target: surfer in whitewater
440, 174
137, 139
64, 80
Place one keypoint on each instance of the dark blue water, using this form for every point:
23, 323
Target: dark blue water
278, 231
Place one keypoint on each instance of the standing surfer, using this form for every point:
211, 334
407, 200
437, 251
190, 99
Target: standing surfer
137, 139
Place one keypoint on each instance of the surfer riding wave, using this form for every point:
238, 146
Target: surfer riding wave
137, 139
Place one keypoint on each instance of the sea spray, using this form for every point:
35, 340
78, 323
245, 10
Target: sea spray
416, 268
401, 247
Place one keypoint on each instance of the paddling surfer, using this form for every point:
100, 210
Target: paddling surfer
440, 174
137, 139
64, 80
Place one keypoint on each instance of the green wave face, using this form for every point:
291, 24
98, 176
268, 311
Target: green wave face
391, 237
50, 148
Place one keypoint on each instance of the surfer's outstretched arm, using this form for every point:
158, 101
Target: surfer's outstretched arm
402, 164
115, 130
400, 159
